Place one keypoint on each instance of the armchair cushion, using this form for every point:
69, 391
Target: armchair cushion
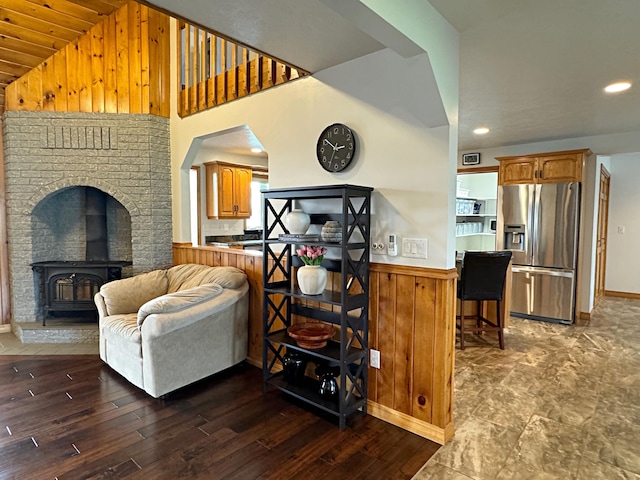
129, 294
182, 277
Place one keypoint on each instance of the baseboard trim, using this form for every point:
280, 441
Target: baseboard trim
5, 328
584, 316
411, 424
254, 362
613, 293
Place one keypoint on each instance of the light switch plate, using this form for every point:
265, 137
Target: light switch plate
414, 247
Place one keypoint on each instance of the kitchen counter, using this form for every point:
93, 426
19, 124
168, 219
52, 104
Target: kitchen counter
248, 240
237, 243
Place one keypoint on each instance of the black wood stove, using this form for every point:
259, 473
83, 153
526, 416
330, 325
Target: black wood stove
69, 287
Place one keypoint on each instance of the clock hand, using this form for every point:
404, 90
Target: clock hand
332, 146
338, 148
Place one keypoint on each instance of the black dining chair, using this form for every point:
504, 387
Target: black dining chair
482, 278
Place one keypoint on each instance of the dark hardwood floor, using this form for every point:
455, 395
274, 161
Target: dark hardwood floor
72, 417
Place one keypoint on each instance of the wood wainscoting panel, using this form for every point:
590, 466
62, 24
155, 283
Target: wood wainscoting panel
250, 261
411, 323
119, 66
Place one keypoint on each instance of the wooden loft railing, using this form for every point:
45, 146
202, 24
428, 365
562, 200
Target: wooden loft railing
214, 70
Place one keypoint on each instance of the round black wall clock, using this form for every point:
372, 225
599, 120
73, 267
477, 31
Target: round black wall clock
336, 147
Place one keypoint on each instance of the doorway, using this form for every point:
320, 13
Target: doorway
476, 209
601, 236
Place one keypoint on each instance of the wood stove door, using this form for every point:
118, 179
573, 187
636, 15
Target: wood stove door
72, 292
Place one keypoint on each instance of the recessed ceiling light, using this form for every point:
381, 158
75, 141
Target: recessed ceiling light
481, 131
256, 150
617, 87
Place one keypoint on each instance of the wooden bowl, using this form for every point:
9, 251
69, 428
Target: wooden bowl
311, 335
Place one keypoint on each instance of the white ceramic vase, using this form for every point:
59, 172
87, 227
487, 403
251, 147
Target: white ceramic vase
312, 279
297, 221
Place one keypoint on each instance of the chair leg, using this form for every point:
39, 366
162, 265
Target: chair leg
478, 320
500, 326
461, 324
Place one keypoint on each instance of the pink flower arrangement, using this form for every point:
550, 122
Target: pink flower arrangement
311, 254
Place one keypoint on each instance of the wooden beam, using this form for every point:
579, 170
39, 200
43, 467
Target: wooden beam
99, 6
16, 31
37, 25
77, 11
25, 47
55, 19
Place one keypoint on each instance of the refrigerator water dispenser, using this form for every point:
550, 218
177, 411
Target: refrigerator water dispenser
514, 237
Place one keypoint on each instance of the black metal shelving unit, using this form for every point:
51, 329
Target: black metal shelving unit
346, 307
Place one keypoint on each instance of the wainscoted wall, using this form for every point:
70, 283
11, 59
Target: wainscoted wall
411, 322
125, 156
119, 66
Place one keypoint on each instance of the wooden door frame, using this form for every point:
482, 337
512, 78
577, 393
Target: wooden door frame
606, 175
5, 301
196, 168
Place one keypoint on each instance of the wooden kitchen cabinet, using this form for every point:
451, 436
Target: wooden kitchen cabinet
228, 190
553, 167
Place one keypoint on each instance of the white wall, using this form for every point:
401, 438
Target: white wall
407, 163
623, 262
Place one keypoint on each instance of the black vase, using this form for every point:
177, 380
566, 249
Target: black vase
328, 384
294, 366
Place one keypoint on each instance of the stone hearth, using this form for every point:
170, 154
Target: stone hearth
46, 155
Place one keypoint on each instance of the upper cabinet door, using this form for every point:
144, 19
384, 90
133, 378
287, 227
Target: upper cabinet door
560, 168
228, 190
517, 171
243, 192
553, 167
226, 205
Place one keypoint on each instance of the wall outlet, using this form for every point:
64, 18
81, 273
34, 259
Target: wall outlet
378, 247
374, 358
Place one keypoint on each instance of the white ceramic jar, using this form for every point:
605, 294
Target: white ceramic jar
297, 221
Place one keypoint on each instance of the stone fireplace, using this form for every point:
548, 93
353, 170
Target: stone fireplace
50, 160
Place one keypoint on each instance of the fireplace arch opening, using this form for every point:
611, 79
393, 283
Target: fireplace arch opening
81, 239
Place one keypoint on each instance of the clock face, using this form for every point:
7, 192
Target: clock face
336, 147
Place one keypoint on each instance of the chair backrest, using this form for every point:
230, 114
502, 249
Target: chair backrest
483, 275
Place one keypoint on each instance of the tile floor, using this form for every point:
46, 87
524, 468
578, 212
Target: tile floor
560, 402
10, 345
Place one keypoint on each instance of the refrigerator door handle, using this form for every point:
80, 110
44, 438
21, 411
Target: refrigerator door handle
546, 271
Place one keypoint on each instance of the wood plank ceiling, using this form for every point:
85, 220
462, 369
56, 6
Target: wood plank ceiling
33, 30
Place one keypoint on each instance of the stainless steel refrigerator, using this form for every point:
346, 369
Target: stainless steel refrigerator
539, 224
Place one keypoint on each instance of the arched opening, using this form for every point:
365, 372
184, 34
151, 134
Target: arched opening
80, 239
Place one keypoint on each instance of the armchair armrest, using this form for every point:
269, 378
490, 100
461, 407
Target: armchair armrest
178, 301
158, 324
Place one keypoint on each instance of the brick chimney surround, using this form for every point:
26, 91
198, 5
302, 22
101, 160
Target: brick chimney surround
48, 155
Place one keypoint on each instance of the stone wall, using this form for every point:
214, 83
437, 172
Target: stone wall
125, 156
